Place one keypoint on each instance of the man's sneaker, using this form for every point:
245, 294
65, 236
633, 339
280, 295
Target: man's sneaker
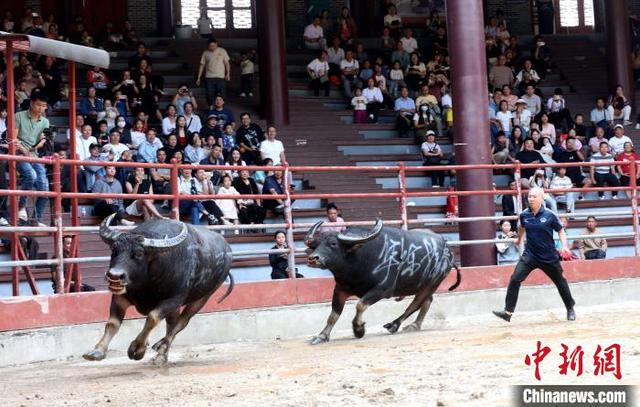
571, 315
614, 196
502, 315
637, 126
165, 205
601, 197
22, 214
627, 123
4, 222
212, 219
126, 222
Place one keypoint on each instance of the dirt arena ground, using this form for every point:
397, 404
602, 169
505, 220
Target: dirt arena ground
459, 362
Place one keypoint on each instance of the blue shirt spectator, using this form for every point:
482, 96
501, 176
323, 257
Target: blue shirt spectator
147, 149
404, 103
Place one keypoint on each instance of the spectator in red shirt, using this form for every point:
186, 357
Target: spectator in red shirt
628, 155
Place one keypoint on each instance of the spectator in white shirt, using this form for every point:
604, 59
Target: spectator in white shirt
272, 148
504, 116
374, 100
557, 109
115, 148
393, 21
617, 142
409, 43
335, 55
192, 119
534, 103
349, 68
601, 116
561, 181
79, 124
314, 35
318, 71
84, 142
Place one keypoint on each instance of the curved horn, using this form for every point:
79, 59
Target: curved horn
107, 234
166, 242
352, 240
310, 234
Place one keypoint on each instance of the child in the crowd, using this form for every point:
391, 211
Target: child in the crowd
359, 104
246, 75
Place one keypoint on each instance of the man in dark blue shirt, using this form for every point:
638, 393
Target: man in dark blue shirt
540, 252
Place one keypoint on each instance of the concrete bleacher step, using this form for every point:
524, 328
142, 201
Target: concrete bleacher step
414, 163
308, 92
424, 181
348, 118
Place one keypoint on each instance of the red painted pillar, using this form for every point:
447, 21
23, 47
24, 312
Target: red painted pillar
465, 23
274, 87
619, 47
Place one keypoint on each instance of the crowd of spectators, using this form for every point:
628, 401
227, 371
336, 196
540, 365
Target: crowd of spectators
120, 120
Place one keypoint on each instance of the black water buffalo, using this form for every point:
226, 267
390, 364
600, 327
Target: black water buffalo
380, 263
159, 267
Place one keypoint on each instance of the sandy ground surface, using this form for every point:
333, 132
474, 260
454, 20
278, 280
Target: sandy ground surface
457, 362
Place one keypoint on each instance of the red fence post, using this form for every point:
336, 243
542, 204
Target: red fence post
288, 219
74, 269
175, 190
633, 175
58, 239
13, 183
402, 182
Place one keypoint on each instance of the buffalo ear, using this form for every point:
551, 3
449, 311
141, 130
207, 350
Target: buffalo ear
350, 249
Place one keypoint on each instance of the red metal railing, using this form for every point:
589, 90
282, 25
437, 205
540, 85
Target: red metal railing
68, 268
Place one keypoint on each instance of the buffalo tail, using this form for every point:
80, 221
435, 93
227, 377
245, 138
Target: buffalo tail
458, 278
229, 289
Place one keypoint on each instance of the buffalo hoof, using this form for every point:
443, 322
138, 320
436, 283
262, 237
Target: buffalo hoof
392, 327
316, 340
94, 355
411, 328
159, 360
136, 350
162, 342
358, 330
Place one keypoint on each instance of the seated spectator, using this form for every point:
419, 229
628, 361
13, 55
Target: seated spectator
416, 73
522, 116
547, 152
617, 141
138, 134
333, 217
279, 262
392, 22
347, 28
274, 185
594, 142
350, 68
142, 53
366, 72
335, 55
224, 114
396, 79
192, 118
250, 211
405, 108
181, 132
182, 96
248, 138
127, 86
102, 133
502, 150
169, 121
572, 155
314, 35
171, 147
145, 69
228, 206
527, 77
108, 114
98, 79
625, 169
138, 183
500, 74
149, 147
33, 79
90, 173
90, 106
432, 156
437, 66
272, 148
557, 109
114, 148
121, 103
619, 106
600, 116
533, 101
194, 153
105, 207
580, 128
161, 177
318, 71
561, 181
571, 134
427, 117
409, 43
84, 142
539, 179
386, 44
547, 129
211, 129
374, 100
400, 55
228, 140
504, 117
199, 185
260, 176
528, 155
122, 173
508, 252
509, 97
147, 100
234, 160
592, 248
604, 174
215, 158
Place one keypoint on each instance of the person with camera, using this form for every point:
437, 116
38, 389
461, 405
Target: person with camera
30, 126
527, 77
127, 86
33, 79
557, 109
279, 261
318, 71
541, 54
183, 96
97, 78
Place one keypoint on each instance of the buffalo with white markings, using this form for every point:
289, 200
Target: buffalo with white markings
380, 263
